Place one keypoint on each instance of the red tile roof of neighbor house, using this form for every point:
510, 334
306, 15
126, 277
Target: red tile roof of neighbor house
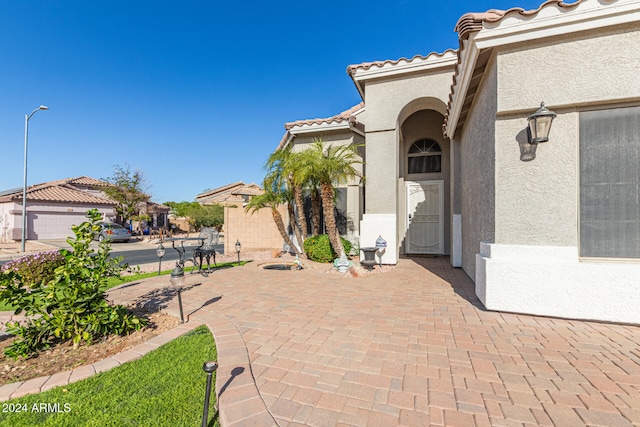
470, 23
61, 191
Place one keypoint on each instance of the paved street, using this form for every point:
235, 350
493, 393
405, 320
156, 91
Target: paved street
410, 347
134, 252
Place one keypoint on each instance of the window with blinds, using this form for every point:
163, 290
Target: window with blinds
610, 183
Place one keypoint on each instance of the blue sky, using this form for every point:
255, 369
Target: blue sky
193, 94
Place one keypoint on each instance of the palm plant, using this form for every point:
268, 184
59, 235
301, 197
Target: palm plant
272, 198
283, 170
330, 165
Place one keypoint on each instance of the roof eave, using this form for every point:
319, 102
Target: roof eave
516, 25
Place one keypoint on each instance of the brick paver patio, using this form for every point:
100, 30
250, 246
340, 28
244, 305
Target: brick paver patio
410, 347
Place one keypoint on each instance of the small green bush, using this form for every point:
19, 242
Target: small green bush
318, 248
35, 268
71, 305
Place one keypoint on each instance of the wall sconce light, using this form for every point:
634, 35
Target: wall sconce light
540, 124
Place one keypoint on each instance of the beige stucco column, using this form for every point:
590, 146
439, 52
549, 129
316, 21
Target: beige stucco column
381, 202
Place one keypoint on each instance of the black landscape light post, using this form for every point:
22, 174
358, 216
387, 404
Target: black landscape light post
209, 368
177, 281
238, 247
160, 253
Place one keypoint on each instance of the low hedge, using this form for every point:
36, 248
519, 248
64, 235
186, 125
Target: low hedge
318, 248
35, 268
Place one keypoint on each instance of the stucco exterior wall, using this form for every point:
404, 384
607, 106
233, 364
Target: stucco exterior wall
386, 98
477, 171
337, 138
381, 171
536, 202
574, 70
533, 264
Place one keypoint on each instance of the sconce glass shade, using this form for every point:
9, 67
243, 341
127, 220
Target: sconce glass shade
540, 124
160, 251
238, 246
177, 277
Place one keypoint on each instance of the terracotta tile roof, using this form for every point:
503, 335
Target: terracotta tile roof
61, 191
474, 22
60, 194
86, 180
352, 69
347, 115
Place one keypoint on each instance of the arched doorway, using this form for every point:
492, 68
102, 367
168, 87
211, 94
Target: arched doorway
424, 168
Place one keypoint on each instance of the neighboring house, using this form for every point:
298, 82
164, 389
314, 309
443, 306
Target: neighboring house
229, 194
551, 228
158, 213
52, 208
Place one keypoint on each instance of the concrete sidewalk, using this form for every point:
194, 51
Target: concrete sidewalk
410, 347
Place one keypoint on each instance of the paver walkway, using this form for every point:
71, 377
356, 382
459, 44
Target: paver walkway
410, 347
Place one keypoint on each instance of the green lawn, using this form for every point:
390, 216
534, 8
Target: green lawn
115, 281
164, 388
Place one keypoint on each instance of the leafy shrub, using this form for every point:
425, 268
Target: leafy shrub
71, 305
35, 268
318, 248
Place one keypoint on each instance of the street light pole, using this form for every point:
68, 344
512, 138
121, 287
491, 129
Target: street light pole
24, 182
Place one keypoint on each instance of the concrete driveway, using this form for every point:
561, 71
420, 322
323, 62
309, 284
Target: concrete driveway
411, 347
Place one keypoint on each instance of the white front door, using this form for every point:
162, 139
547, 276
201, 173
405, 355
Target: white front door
425, 218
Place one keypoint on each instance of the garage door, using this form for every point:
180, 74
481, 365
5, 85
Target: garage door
47, 225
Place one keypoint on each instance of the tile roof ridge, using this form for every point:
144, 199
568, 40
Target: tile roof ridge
342, 116
473, 21
351, 69
219, 189
51, 193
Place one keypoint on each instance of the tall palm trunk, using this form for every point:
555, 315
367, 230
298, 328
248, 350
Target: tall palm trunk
277, 218
316, 208
326, 193
296, 229
299, 200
